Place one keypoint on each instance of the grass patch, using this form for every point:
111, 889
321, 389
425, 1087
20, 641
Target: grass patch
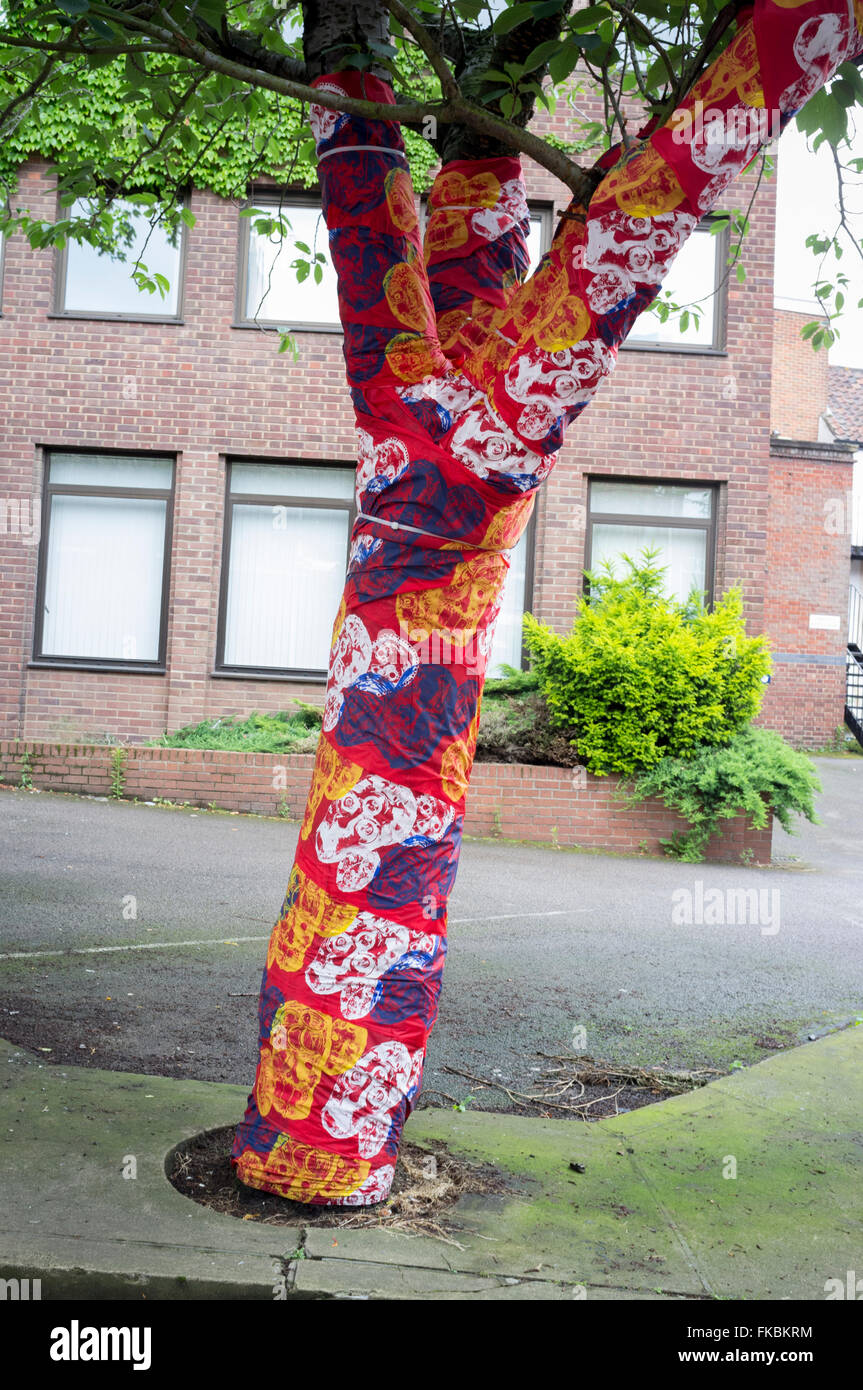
283, 732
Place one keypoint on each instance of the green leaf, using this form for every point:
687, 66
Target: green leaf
469, 9
850, 73
824, 117
590, 17
741, 273
512, 17
564, 62
101, 27
188, 139
73, 6
540, 55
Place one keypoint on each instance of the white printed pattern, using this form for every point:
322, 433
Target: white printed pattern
821, 44
382, 463
352, 963
362, 1100
355, 655
374, 815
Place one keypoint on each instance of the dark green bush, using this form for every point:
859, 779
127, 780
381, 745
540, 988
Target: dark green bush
755, 773
642, 676
515, 725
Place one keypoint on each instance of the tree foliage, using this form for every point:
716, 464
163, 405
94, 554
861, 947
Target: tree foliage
146, 98
642, 676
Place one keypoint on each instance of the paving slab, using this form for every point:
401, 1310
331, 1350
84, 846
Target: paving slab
70, 1217
749, 1188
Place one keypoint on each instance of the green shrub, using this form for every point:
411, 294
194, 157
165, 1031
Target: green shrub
642, 676
755, 773
259, 733
515, 725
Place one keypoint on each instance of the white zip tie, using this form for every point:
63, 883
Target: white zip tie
455, 540
377, 149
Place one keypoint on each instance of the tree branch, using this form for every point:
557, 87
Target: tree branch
169, 37
440, 67
456, 110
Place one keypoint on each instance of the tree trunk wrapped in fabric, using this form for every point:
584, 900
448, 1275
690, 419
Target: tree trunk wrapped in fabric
463, 379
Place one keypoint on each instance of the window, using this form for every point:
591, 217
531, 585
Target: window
268, 289
696, 277
678, 518
539, 237
506, 648
287, 532
103, 567
94, 284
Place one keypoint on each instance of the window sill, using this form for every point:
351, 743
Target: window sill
112, 318
254, 674
695, 350
56, 663
333, 329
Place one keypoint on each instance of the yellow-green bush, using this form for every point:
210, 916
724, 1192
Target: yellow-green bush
642, 676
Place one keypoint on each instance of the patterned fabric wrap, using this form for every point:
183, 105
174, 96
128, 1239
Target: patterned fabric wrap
463, 378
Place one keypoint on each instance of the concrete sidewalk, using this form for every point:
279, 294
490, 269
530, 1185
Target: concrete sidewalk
657, 1213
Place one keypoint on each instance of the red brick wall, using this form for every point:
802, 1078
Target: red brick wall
808, 545
204, 389
799, 392
539, 805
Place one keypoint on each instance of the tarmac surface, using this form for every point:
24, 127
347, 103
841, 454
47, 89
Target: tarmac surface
133, 937
748, 1188
133, 940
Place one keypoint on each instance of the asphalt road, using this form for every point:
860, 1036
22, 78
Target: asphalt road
133, 937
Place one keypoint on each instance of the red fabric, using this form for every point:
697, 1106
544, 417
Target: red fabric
463, 381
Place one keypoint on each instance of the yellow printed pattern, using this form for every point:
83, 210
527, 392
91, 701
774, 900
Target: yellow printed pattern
309, 911
304, 1043
300, 1171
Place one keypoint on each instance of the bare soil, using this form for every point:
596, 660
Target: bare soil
427, 1184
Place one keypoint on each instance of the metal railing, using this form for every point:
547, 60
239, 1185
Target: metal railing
855, 617
854, 694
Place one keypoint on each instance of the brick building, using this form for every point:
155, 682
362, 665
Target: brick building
843, 421
177, 496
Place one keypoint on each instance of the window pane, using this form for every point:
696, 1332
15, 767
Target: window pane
506, 647
690, 281
683, 551
103, 284
534, 242
285, 578
273, 292
292, 480
651, 499
105, 470
103, 580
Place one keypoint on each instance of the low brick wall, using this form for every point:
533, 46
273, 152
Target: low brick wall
540, 805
